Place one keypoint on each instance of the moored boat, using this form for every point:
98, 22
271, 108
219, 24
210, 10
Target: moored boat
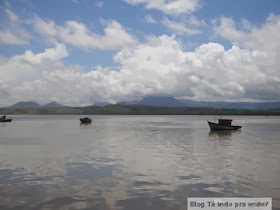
4, 119
223, 124
85, 120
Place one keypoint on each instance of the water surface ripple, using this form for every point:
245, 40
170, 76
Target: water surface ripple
135, 162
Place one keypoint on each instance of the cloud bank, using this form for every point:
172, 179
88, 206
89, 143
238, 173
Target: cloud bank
248, 71
155, 67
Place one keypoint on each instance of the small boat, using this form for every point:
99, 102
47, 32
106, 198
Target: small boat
223, 124
4, 119
85, 120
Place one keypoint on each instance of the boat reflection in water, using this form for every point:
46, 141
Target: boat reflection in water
222, 135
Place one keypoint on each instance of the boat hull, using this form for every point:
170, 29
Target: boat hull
215, 126
5, 120
85, 120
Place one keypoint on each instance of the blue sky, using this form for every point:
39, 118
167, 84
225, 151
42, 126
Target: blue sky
83, 51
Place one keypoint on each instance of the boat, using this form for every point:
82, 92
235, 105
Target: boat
85, 120
223, 124
4, 119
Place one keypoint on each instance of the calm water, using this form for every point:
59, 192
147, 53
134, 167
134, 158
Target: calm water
135, 162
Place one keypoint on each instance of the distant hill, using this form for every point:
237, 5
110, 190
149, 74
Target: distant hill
24, 105
34, 105
101, 104
53, 104
139, 110
128, 103
172, 102
163, 102
154, 101
160, 101
232, 105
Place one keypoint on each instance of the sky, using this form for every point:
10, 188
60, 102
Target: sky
79, 52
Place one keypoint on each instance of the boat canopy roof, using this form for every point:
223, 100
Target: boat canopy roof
225, 121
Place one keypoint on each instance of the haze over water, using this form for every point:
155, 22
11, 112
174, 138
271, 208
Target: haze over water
135, 162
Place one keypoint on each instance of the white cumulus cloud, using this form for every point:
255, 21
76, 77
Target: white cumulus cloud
11, 32
265, 37
78, 35
174, 7
99, 3
149, 18
7, 37
179, 27
159, 65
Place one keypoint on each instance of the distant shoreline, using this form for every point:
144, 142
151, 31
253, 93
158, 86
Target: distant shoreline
137, 110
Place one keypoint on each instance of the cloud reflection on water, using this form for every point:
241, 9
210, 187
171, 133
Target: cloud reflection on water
125, 161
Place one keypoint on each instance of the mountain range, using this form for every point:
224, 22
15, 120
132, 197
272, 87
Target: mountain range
34, 105
155, 101
172, 102
163, 101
